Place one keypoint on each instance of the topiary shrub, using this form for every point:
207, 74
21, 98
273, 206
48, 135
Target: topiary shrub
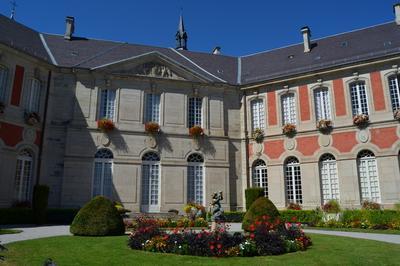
252, 194
262, 206
98, 217
40, 202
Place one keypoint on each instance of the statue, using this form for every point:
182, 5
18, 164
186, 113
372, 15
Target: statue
217, 213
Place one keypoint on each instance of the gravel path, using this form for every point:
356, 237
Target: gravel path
61, 230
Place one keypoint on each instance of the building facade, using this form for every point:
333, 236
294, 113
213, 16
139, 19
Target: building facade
308, 123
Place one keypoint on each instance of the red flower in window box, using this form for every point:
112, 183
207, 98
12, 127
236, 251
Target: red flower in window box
396, 114
152, 128
289, 129
105, 124
360, 119
2, 107
324, 124
32, 118
196, 131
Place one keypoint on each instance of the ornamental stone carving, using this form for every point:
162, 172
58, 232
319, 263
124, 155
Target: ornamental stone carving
153, 69
29, 135
363, 135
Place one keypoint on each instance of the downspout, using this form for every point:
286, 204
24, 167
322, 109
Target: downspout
43, 129
246, 144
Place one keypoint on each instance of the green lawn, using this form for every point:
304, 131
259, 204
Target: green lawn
71, 250
387, 231
9, 231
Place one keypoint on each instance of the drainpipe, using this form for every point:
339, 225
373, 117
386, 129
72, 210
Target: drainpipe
246, 133
46, 102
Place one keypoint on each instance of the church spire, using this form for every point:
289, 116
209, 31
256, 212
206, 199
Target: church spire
181, 36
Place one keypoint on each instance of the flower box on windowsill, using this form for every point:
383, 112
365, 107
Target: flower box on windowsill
152, 128
360, 120
2, 108
324, 125
32, 118
258, 135
396, 114
196, 131
289, 129
105, 125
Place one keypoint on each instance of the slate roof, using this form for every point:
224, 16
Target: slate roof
22, 38
338, 50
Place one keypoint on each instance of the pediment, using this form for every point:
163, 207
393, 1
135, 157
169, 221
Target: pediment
155, 70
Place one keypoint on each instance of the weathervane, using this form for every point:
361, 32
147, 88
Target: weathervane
13, 7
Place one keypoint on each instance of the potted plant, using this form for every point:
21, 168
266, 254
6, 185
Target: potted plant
2, 107
258, 135
152, 128
324, 125
289, 129
105, 125
196, 131
360, 120
331, 210
396, 114
32, 118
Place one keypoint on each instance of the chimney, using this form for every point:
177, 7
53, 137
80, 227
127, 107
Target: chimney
70, 27
217, 50
306, 38
396, 9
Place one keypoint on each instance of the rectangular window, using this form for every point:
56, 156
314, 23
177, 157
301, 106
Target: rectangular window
195, 112
369, 180
3, 83
150, 185
289, 109
359, 98
107, 104
257, 114
102, 180
394, 92
32, 102
322, 104
195, 184
329, 180
152, 108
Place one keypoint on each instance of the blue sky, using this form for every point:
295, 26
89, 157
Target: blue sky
239, 27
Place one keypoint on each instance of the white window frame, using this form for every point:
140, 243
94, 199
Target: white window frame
322, 104
288, 106
103, 162
367, 161
23, 182
150, 208
152, 112
260, 176
108, 99
195, 111
290, 181
257, 109
32, 103
195, 168
3, 83
394, 91
329, 178
356, 88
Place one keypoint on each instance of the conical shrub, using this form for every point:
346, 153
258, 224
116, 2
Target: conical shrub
262, 206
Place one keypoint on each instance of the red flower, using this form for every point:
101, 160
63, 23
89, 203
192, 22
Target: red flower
211, 247
252, 236
294, 219
252, 227
219, 246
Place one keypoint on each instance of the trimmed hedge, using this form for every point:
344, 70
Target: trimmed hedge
310, 217
262, 206
234, 217
26, 216
373, 219
99, 217
252, 194
40, 202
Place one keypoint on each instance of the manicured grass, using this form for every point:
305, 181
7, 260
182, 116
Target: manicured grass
9, 231
72, 250
388, 231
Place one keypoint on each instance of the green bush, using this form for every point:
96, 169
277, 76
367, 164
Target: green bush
234, 217
310, 217
397, 206
262, 206
372, 219
252, 194
98, 217
332, 206
40, 202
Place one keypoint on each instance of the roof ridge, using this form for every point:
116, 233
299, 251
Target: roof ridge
99, 54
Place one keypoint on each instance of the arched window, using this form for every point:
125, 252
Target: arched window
368, 175
329, 178
150, 182
359, 102
102, 175
322, 104
394, 91
196, 178
32, 100
107, 104
260, 177
23, 176
195, 111
293, 181
257, 114
288, 109
3, 83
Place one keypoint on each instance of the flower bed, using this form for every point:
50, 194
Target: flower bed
264, 238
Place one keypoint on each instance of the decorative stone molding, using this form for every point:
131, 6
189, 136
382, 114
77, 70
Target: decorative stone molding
258, 149
196, 143
290, 143
151, 142
153, 69
363, 135
324, 140
103, 140
29, 135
